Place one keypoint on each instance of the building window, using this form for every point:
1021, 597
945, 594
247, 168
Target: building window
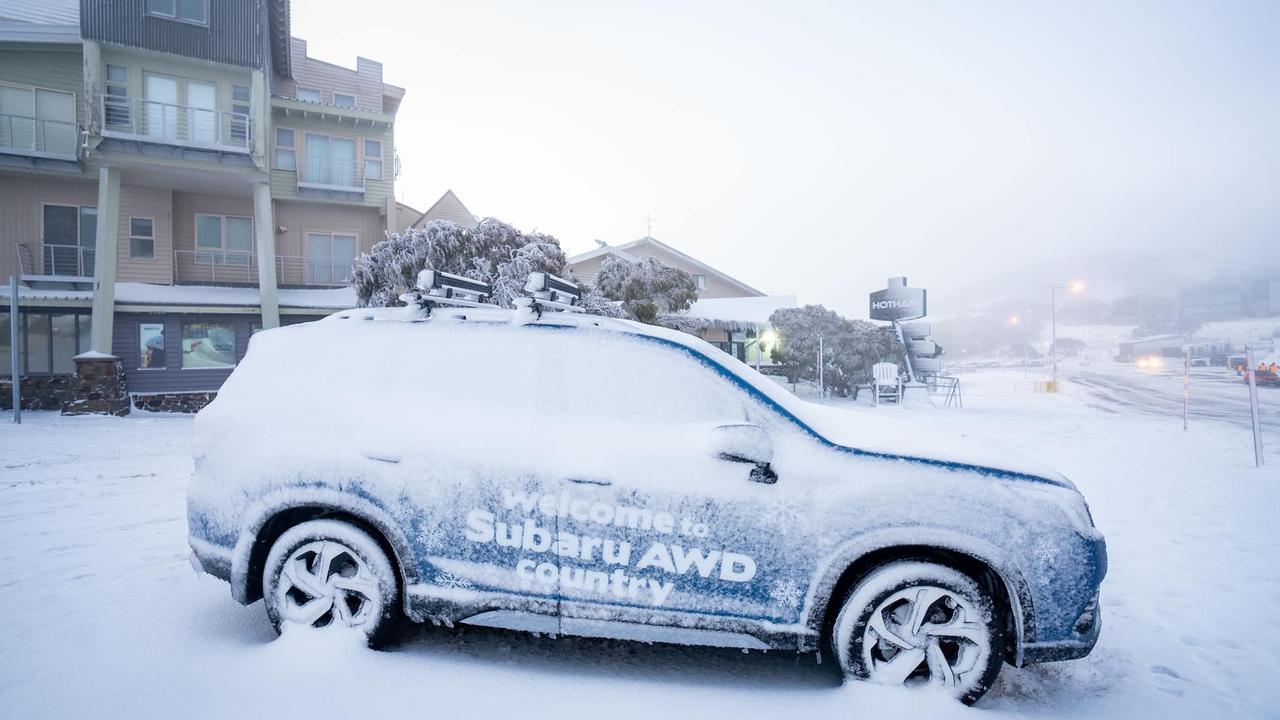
373, 159
68, 240
192, 11
151, 346
224, 240
38, 121
142, 239
309, 95
184, 10
116, 102
700, 281
331, 161
330, 257
344, 101
240, 114
47, 342
208, 345
286, 158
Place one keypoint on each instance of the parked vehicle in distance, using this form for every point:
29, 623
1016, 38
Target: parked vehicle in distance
569, 474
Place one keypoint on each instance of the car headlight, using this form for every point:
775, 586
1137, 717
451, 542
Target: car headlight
1071, 504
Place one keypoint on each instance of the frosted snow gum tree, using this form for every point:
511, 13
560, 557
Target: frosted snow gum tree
850, 347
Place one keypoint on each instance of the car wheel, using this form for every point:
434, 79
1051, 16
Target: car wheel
323, 572
918, 623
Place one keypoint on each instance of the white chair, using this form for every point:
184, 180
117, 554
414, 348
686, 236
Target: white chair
886, 383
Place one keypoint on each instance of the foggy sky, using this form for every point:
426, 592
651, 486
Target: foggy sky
818, 148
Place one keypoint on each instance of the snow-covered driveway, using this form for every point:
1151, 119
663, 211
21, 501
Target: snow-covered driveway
103, 616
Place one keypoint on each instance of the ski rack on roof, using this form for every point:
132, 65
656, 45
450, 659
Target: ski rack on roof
441, 289
550, 293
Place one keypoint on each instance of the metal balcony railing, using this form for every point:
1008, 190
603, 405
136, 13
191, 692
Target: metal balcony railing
34, 137
181, 125
52, 260
322, 173
233, 267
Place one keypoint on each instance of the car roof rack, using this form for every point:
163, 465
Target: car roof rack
441, 289
548, 292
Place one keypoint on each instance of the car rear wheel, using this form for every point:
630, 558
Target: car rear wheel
325, 572
918, 623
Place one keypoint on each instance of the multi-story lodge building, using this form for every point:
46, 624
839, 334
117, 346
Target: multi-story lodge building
176, 174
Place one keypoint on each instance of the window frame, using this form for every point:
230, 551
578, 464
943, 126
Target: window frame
291, 149
182, 336
176, 16
306, 250
222, 250
134, 236
366, 159
357, 155
24, 343
73, 121
337, 95
297, 91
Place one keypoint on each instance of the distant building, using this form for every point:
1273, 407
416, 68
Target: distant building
448, 207
733, 314
1164, 345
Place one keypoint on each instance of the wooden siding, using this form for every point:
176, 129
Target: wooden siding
301, 218
235, 35
284, 183
22, 198
141, 64
52, 70
364, 83
158, 206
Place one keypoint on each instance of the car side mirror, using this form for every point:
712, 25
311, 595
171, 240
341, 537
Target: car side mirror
746, 443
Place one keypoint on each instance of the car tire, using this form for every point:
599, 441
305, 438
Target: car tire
323, 572
919, 623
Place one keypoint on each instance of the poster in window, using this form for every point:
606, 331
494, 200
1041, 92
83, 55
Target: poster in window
151, 350
208, 345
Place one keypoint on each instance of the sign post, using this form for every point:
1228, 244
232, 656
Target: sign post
14, 365
1186, 386
896, 303
1251, 374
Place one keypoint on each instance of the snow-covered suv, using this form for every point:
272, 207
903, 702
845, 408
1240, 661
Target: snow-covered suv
578, 475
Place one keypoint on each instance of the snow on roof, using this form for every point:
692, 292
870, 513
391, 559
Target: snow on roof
129, 293
621, 250
742, 310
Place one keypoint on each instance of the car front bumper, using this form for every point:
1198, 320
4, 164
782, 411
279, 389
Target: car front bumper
211, 559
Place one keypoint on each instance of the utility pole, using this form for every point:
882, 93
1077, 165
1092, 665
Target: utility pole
14, 365
1258, 460
822, 392
1186, 386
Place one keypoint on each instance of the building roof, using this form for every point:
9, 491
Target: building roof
638, 245
131, 293
740, 311
450, 208
42, 12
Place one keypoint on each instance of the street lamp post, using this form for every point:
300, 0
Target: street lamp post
1074, 287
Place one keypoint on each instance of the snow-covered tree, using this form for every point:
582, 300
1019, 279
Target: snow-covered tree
492, 252
850, 347
647, 290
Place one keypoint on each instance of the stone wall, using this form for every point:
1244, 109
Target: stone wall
39, 392
98, 387
188, 402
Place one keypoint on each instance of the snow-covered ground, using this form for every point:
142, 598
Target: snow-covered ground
104, 617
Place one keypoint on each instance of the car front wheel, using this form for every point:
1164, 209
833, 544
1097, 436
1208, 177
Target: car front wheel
919, 623
325, 572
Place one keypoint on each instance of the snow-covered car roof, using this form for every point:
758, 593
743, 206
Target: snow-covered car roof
894, 434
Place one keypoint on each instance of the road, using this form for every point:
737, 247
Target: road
1216, 393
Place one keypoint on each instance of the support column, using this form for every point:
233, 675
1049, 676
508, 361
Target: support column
104, 260
265, 235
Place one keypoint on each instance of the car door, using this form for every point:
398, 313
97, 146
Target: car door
657, 524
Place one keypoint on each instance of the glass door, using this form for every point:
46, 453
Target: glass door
202, 105
17, 118
319, 258
343, 156
315, 170
162, 106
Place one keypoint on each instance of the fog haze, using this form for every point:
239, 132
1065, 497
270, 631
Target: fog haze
818, 148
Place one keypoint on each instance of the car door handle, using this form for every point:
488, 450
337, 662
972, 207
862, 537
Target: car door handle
590, 481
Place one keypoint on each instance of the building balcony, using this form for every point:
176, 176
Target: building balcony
176, 125
232, 267
53, 262
321, 173
35, 137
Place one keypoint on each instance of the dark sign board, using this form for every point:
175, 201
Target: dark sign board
898, 302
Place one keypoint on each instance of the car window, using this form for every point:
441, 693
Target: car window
613, 376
